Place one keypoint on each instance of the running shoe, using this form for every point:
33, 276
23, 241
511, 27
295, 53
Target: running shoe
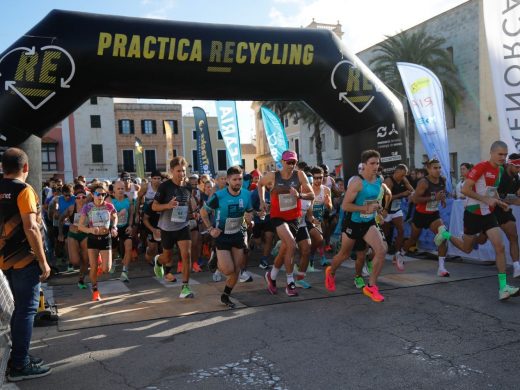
70, 268
271, 284
324, 261
157, 267
196, 267
81, 284
179, 267
124, 277
442, 272
373, 293
399, 262
30, 371
440, 237
516, 270
224, 298
263, 262
311, 268
290, 290
365, 272
507, 292
245, 277
96, 296
186, 292
303, 283
330, 282
212, 262
112, 267
217, 276
359, 282
169, 277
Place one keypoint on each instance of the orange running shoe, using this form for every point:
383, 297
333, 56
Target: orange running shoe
96, 296
373, 293
330, 281
196, 267
179, 267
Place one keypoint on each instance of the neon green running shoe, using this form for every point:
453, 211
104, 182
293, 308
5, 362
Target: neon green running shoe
507, 292
359, 282
186, 292
158, 268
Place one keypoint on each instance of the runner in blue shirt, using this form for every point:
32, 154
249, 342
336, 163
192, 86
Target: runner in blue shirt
230, 205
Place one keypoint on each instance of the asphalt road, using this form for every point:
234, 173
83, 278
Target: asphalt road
452, 335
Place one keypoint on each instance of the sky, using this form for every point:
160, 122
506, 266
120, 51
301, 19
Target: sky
364, 22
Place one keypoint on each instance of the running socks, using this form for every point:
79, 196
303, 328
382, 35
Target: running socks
274, 272
441, 261
94, 287
227, 290
502, 281
290, 278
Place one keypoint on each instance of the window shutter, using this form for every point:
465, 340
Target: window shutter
120, 124
154, 126
142, 127
132, 129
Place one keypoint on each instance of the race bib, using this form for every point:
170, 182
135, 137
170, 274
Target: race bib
369, 215
100, 218
180, 214
432, 205
122, 217
233, 225
395, 205
492, 192
77, 216
287, 202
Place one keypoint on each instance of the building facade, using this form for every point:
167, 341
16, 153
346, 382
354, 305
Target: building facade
148, 122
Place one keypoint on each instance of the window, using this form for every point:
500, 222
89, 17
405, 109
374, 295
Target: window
311, 145
126, 126
150, 163
221, 160
194, 135
297, 146
95, 121
450, 117
148, 126
195, 159
49, 159
128, 160
336, 141
219, 135
173, 125
93, 100
174, 152
97, 153
285, 122
453, 165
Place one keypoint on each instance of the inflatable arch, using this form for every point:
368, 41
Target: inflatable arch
69, 57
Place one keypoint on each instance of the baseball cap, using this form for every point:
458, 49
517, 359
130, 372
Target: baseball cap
289, 155
194, 176
125, 176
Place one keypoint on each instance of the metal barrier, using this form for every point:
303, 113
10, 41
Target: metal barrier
6, 311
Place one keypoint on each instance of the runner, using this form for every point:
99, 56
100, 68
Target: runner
125, 216
175, 203
263, 229
509, 191
429, 195
464, 170
361, 200
76, 240
480, 189
289, 188
322, 203
99, 220
326, 228
400, 188
303, 240
230, 205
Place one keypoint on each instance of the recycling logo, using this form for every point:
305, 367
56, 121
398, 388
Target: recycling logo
36, 76
358, 91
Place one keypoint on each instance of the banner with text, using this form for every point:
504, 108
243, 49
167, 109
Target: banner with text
139, 158
502, 25
204, 151
228, 124
275, 133
424, 92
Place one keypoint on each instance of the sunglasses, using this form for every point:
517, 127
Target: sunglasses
102, 194
67, 195
291, 162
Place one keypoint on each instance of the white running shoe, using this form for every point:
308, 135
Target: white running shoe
245, 277
516, 269
442, 272
217, 276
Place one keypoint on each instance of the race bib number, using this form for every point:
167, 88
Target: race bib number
122, 217
287, 202
100, 218
77, 216
233, 225
395, 205
180, 214
432, 205
368, 215
492, 192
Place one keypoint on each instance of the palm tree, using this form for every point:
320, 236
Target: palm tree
422, 49
300, 111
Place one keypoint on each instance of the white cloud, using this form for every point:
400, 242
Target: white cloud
364, 22
158, 9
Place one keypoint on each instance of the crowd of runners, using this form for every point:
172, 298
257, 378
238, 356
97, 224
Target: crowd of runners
296, 215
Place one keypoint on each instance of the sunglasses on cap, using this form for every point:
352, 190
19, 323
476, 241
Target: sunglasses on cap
101, 194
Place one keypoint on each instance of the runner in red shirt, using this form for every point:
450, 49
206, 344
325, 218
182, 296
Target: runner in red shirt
480, 188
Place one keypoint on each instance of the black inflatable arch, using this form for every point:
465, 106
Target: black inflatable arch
71, 56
